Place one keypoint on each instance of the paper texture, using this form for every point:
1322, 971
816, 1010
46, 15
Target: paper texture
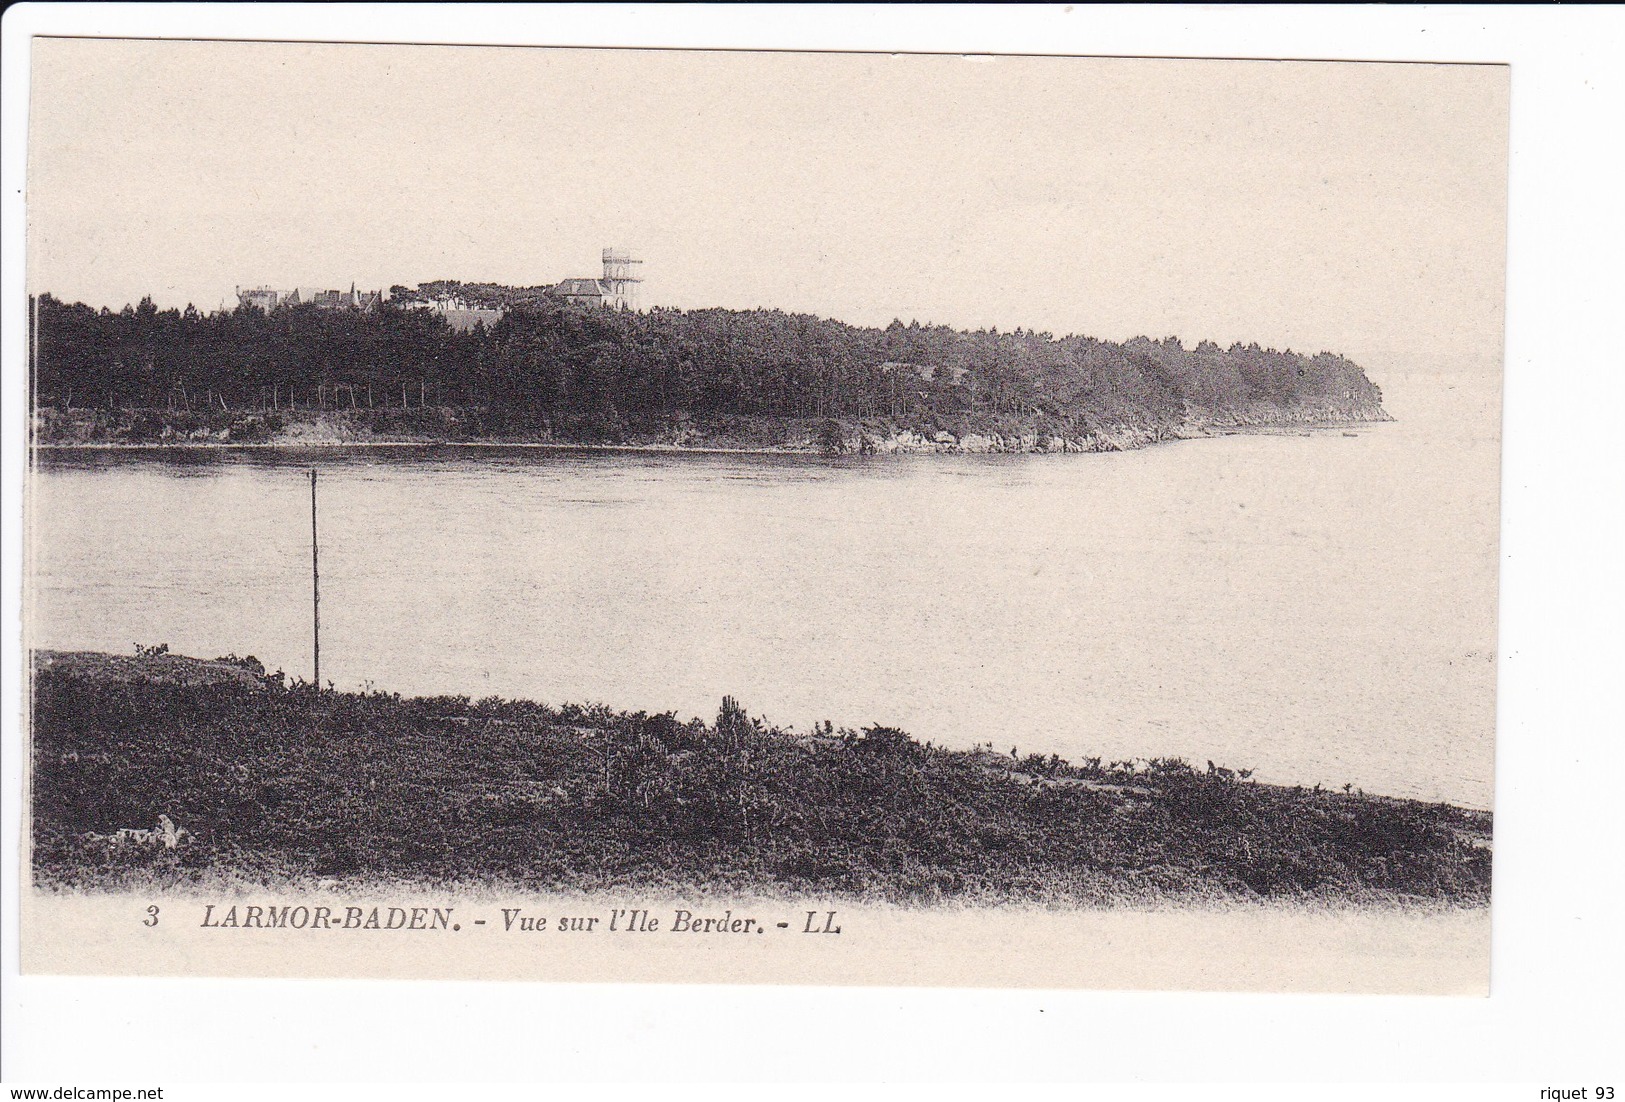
765, 517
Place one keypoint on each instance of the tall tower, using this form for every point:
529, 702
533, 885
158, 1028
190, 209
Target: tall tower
621, 278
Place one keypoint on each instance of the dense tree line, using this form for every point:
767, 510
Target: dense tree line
545, 359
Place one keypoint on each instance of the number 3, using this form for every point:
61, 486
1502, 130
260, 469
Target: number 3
152, 915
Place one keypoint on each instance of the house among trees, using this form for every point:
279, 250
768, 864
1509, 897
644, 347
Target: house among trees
465, 305
268, 299
261, 298
583, 292
617, 288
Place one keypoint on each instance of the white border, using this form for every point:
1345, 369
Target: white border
1555, 1002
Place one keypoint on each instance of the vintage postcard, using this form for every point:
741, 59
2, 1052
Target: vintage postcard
816, 518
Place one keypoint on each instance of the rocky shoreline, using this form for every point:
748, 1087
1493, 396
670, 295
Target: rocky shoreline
118, 429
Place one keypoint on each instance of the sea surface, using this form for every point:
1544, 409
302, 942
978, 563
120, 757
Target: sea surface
1317, 607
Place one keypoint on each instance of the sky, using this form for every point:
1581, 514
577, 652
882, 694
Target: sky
1359, 208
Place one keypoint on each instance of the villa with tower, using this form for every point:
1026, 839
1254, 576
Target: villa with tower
616, 289
466, 305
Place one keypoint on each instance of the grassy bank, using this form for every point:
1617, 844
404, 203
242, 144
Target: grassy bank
281, 785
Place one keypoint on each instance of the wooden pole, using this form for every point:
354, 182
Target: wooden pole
315, 589
33, 353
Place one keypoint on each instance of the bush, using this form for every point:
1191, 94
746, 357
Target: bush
887, 742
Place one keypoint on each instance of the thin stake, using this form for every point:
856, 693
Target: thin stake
33, 361
315, 587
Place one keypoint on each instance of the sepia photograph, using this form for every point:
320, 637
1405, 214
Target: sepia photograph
761, 517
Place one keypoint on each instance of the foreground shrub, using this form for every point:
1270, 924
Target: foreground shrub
281, 782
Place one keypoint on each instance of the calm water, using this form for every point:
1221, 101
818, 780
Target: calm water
1320, 608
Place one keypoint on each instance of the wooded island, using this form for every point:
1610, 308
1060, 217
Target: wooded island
552, 372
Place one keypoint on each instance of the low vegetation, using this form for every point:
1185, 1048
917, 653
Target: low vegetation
276, 783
